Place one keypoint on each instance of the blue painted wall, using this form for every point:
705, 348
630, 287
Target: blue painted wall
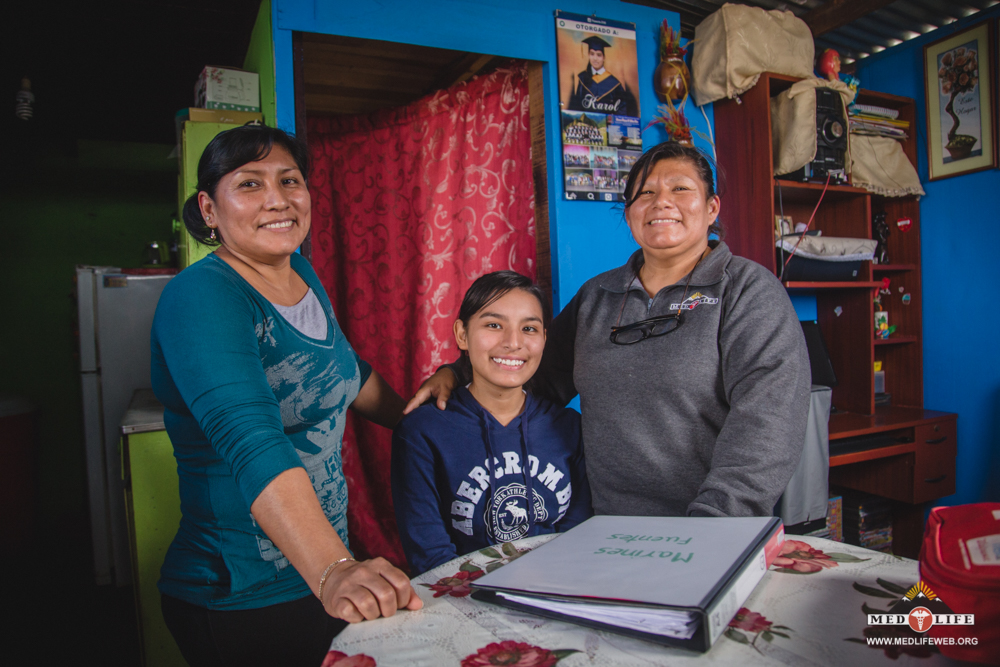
587, 237
959, 215
960, 238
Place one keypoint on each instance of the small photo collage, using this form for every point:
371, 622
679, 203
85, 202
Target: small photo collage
598, 152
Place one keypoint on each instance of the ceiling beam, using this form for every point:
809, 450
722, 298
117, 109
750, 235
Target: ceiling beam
459, 70
473, 70
833, 14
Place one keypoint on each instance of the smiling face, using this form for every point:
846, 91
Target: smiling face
262, 209
504, 340
672, 213
596, 59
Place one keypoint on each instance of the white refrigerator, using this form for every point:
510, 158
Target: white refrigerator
115, 312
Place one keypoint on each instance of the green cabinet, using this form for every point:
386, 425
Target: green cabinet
153, 507
195, 136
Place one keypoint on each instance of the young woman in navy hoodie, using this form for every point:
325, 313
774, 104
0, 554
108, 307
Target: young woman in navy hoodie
462, 477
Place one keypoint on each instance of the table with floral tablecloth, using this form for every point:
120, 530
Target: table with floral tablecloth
810, 609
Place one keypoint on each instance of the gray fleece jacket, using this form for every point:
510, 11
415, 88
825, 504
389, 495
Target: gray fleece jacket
708, 420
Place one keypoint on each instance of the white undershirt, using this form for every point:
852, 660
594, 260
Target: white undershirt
307, 316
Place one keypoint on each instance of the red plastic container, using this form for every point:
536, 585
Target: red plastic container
960, 562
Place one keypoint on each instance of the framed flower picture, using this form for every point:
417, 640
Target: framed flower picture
958, 77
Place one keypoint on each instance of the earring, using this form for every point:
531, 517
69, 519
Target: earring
211, 237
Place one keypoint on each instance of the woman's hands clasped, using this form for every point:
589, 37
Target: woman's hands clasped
439, 386
366, 590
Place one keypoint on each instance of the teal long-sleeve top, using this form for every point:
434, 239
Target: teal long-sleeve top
246, 396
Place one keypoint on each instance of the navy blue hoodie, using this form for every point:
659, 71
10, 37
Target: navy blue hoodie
448, 505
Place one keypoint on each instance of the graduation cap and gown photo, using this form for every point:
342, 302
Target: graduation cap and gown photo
598, 90
599, 107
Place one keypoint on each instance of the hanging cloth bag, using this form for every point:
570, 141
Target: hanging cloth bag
793, 123
735, 44
879, 165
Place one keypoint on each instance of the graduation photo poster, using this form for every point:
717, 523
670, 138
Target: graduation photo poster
599, 105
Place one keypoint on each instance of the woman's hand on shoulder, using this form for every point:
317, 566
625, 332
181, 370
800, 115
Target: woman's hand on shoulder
439, 386
366, 590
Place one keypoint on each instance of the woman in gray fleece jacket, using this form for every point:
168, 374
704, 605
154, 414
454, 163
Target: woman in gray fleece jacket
690, 362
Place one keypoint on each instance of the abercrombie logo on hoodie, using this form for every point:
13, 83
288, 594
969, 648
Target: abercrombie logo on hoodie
506, 517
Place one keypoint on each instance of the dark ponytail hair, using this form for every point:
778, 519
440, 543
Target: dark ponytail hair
227, 152
489, 289
672, 150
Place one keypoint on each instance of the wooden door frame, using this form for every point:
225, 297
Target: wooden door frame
298, 63
540, 177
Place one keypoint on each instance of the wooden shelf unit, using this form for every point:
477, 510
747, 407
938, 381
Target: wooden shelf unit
751, 199
917, 470
852, 284
893, 268
896, 340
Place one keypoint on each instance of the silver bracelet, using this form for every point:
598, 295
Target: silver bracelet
326, 574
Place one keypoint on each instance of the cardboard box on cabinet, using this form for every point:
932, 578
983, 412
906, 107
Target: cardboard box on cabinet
227, 88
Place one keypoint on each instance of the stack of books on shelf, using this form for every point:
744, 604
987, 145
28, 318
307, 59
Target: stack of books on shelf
867, 521
875, 121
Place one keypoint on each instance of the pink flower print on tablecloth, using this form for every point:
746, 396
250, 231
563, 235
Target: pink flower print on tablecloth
755, 624
457, 585
338, 659
801, 558
515, 654
750, 621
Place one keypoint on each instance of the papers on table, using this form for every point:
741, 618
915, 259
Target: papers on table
667, 622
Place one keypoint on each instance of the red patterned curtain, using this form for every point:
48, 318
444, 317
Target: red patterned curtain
410, 206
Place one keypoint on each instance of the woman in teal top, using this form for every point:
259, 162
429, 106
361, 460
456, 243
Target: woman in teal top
256, 377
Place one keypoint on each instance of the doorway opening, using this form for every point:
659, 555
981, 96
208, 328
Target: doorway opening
336, 75
428, 171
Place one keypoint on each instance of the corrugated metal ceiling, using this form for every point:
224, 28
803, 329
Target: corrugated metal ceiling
883, 25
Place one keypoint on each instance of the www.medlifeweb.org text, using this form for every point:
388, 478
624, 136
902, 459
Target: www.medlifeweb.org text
922, 641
